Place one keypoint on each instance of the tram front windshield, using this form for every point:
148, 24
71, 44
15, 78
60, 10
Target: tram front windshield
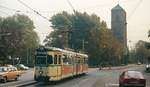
40, 59
44, 60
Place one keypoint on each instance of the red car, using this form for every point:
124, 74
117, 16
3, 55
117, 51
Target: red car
132, 79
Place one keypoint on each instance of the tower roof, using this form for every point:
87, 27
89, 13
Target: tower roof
118, 7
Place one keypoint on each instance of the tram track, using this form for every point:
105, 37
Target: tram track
18, 84
26, 84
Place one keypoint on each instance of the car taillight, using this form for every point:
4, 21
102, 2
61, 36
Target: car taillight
123, 79
126, 80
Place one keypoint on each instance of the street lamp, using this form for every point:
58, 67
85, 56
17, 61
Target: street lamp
83, 44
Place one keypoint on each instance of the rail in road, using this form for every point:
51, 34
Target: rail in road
18, 83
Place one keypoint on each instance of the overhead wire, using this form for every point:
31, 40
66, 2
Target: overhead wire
33, 10
138, 4
70, 4
16, 10
11, 9
4, 12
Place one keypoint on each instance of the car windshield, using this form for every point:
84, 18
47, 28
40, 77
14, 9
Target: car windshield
21, 65
3, 69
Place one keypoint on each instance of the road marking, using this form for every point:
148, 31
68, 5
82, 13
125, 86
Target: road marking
106, 85
84, 80
114, 84
25, 84
111, 85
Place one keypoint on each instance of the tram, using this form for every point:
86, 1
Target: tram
54, 64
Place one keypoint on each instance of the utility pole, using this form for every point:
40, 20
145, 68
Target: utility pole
27, 56
65, 38
83, 45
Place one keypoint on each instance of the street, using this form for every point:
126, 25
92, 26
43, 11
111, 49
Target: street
94, 78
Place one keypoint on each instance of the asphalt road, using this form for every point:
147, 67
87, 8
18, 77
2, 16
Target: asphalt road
95, 78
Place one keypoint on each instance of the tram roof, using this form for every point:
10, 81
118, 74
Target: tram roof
62, 50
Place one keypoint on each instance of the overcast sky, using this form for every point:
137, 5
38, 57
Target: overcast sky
138, 13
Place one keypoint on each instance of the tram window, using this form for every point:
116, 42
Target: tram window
86, 61
40, 59
78, 61
82, 61
73, 60
55, 59
50, 59
65, 59
59, 59
70, 60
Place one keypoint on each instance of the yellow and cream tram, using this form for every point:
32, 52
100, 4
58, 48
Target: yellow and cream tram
53, 64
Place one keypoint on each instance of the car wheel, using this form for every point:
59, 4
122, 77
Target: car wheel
4, 80
120, 85
17, 78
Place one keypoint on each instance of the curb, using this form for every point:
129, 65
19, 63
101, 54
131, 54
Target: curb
118, 68
26, 84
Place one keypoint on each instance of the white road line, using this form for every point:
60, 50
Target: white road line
111, 85
84, 80
115, 85
106, 85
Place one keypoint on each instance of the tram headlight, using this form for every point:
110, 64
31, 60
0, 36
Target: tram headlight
40, 72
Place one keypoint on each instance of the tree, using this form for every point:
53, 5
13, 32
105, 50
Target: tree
80, 31
142, 52
109, 51
22, 35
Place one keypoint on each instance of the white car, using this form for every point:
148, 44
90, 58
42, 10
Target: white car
22, 67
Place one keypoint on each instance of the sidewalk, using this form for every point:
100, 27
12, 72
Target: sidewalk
120, 67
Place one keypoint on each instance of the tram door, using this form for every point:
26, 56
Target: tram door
77, 65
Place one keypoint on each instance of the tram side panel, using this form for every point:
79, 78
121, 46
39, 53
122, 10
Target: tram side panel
85, 68
67, 67
80, 66
85, 65
54, 72
67, 70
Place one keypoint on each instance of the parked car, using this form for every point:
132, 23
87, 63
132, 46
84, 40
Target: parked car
139, 63
148, 67
9, 73
132, 78
10, 65
22, 67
